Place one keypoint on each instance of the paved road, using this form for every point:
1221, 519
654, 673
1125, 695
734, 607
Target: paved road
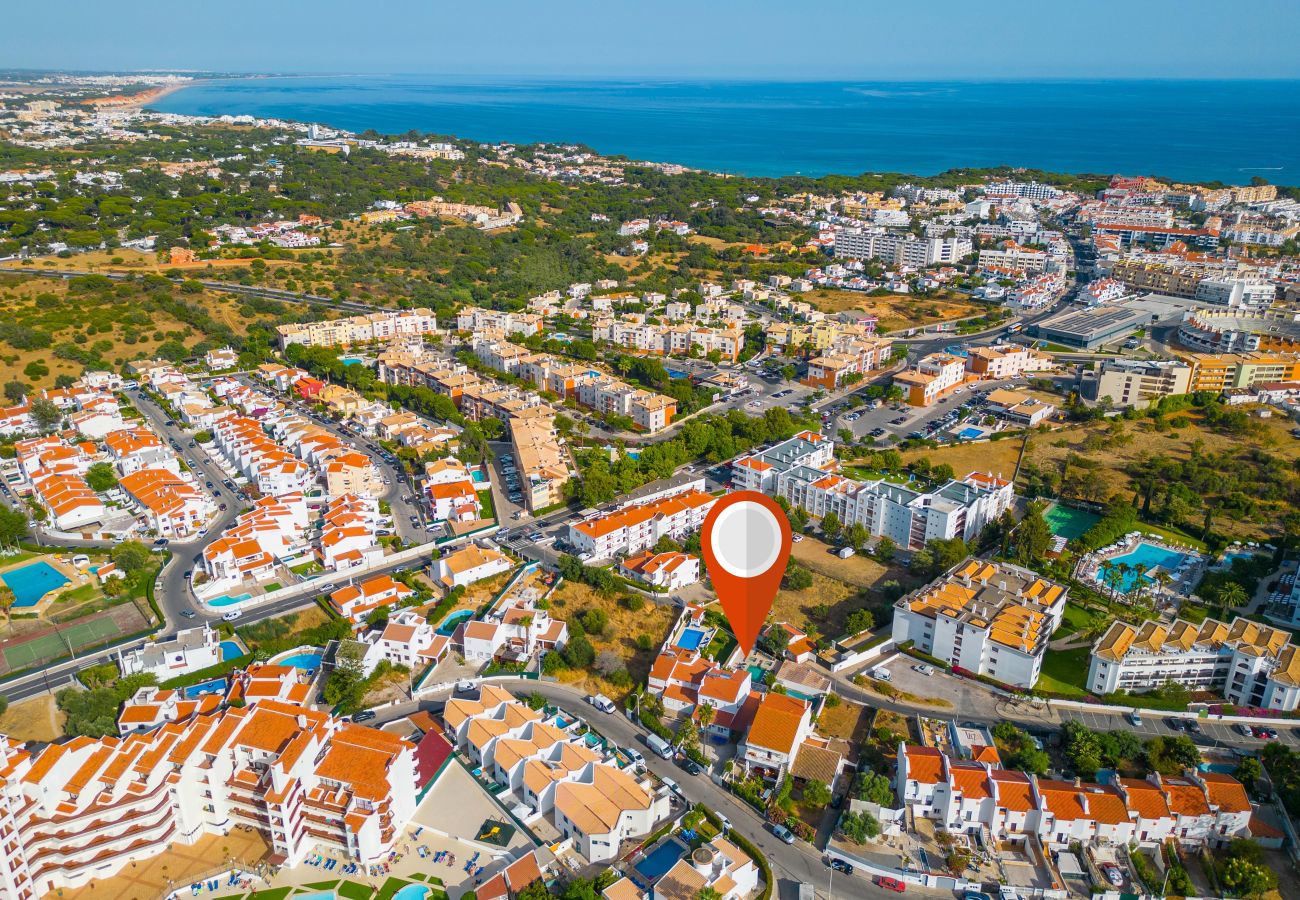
791, 864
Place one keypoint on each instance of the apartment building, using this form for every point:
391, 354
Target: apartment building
671, 340
760, 471
513, 632
269, 467
988, 618
541, 459
1011, 256
474, 320
858, 357
86, 809
551, 771
133, 449
1195, 809
357, 601
348, 538
909, 517
1218, 372
638, 526
648, 411
68, 498
1218, 286
900, 248
1129, 382
363, 329
932, 377
410, 640
1249, 663
1008, 361
173, 504
352, 473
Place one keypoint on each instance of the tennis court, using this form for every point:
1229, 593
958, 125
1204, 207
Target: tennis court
1069, 523
55, 643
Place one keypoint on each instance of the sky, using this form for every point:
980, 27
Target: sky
742, 39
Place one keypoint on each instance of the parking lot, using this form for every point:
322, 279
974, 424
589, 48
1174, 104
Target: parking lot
896, 421
1212, 733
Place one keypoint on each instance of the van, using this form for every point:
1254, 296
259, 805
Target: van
880, 674
659, 746
601, 702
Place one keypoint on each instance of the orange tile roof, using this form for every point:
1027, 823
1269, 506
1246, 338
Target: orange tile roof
776, 723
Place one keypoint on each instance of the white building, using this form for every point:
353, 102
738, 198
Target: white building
189, 651
641, 525
988, 618
1251, 664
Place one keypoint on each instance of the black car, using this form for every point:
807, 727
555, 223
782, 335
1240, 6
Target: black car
840, 865
364, 716
690, 766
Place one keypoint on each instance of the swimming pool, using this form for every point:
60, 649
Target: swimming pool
691, 639
449, 624
969, 434
676, 373
229, 600
215, 686
350, 361
412, 892
478, 476
32, 582
659, 860
308, 660
1141, 560
231, 650
318, 895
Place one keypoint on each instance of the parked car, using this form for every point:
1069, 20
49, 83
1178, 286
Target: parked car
232, 615
840, 865
726, 823
785, 835
187, 613
923, 669
1135, 718
634, 755
658, 746
890, 884
690, 766
364, 716
464, 687
880, 674
1113, 875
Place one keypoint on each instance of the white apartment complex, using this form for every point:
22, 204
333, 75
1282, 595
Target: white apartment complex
1251, 664
85, 809
988, 618
639, 526
364, 329
900, 248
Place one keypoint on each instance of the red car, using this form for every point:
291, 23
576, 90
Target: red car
892, 884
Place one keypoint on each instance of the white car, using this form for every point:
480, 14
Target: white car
232, 615
796, 538
464, 687
923, 669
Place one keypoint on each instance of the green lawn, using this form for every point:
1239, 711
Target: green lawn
308, 568
485, 499
1074, 619
273, 894
353, 891
1065, 672
273, 586
1169, 534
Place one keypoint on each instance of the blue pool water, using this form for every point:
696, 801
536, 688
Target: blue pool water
350, 361
229, 600
215, 686
31, 583
675, 373
449, 624
659, 860
231, 650
479, 478
321, 895
412, 892
1140, 560
308, 660
691, 639
968, 434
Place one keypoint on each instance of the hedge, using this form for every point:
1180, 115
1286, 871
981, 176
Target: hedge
743, 843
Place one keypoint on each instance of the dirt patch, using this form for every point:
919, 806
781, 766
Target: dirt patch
620, 636
847, 721
998, 457
858, 570
824, 606
37, 719
896, 311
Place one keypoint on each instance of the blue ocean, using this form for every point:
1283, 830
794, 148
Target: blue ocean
1226, 131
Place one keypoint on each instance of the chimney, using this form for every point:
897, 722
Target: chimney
302, 721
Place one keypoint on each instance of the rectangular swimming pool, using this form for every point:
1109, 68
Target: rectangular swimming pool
691, 639
655, 864
969, 434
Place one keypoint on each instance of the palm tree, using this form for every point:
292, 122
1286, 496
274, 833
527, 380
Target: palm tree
1233, 595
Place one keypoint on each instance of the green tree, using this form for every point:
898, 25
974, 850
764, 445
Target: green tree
1248, 772
1033, 536
859, 827
101, 477
858, 621
816, 794
46, 415
831, 525
130, 556
873, 787
1243, 878
7, 599
796, 577
16, 391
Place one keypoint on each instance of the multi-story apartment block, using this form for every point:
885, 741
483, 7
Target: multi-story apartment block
258, 540
1250, 663
909, 517
641, 525
1009, 361
857, 357
474, 320
1195, 809
364, 329
761, 471
1029, 190
988, 618
190, 650
86, 809
932, 377
469, 564
1129, 382
356, 601
900, 248
1220, 372
670, 570
541, 458
172, 504
132, 449
1011, 256
671, 340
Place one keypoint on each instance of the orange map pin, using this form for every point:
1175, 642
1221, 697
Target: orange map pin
746, 545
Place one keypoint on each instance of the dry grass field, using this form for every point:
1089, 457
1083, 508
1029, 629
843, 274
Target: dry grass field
37, 719
653, 619
896, 311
